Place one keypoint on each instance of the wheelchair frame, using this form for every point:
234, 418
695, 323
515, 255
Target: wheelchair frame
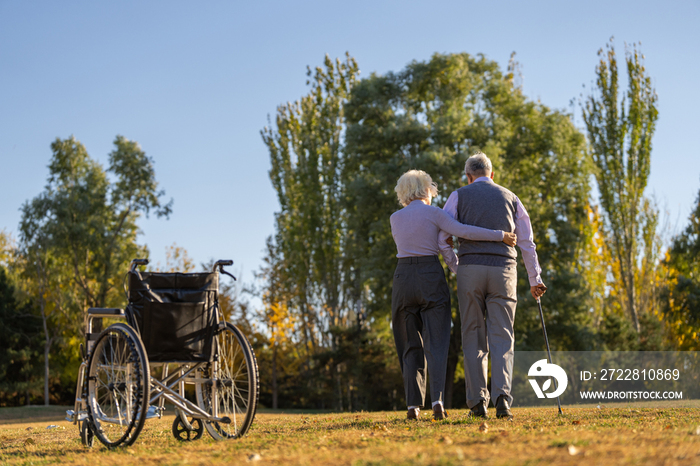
215, 385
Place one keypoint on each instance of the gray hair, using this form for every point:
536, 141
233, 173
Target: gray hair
415, 184
478, 165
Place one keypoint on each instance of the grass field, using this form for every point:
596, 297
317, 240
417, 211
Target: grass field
613, 434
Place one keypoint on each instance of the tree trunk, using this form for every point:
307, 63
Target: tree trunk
632, 300
47, 348
338, 387
631, 292
450, 379
337, 375
453, 359
274, 376
633, 310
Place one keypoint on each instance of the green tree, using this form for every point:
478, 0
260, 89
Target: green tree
306, 154
7, 248
275, 316
620, 135
178, 260
681, 295
20, 332
78, 236
431, 116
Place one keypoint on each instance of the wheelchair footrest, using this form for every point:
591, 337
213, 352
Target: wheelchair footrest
154, 412
72, 416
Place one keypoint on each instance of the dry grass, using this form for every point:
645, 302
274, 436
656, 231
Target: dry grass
623, 434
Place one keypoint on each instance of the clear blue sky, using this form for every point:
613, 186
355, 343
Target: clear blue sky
194, 82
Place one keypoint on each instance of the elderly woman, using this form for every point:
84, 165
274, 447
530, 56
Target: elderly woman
420, 303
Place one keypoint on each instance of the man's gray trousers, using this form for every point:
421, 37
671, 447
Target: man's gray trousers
421, 320
487, 300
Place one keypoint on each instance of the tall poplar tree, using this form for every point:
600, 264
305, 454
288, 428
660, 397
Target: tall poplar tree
306, 153
620, 134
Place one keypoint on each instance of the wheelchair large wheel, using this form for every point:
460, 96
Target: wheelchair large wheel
117, 386
237, 387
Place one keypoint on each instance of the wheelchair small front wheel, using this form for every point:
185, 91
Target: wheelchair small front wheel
86, 435
183, 434
117, 386
234, 384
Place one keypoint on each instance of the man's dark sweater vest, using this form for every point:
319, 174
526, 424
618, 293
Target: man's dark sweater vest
487, 205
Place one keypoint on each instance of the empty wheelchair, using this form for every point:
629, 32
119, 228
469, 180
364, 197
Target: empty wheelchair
174, 337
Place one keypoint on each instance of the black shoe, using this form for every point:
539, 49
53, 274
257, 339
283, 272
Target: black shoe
439, 412
479, 410
503, 408
413, 414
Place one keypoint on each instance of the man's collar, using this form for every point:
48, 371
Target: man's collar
482, 178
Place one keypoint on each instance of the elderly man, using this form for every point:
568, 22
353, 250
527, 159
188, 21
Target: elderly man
486, 283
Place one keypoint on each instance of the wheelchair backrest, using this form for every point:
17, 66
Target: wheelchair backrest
175, 314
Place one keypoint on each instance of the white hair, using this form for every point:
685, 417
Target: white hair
415, 184
478, 165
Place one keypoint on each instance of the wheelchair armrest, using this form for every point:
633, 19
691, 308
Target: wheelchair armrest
105, 312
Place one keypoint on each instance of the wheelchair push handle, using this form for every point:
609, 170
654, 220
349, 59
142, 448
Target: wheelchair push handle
136, 262
221, 264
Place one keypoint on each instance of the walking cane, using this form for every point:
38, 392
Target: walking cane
549, 353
